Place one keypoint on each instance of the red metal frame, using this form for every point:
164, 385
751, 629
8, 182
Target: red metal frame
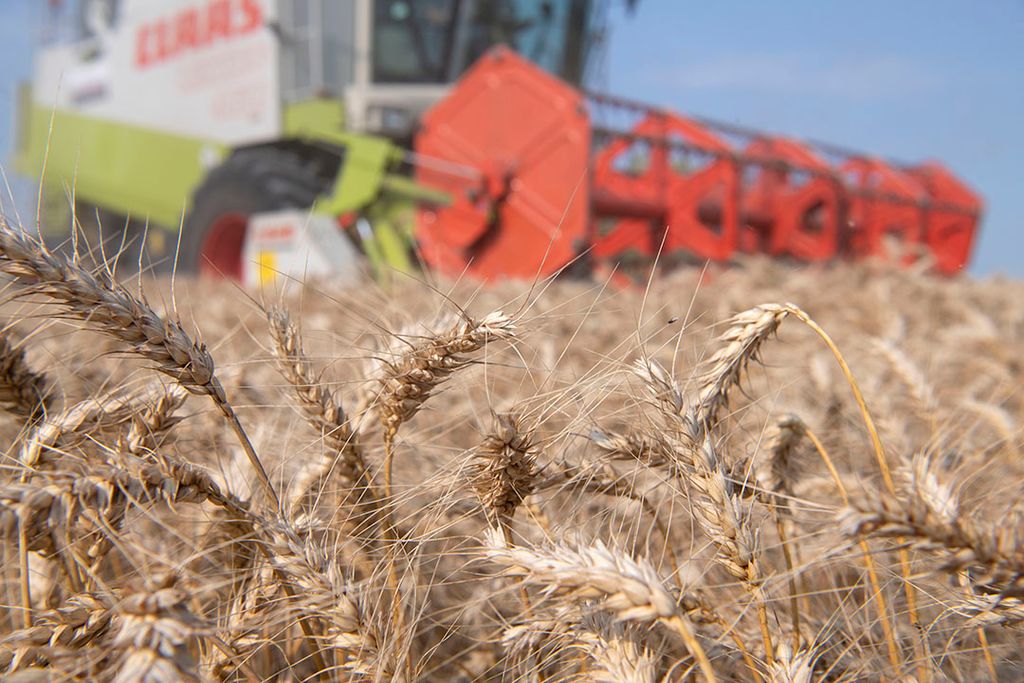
528, 134
794, 199
951, 220
885, 203
551, 186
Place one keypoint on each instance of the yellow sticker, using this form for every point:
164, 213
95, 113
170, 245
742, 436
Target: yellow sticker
267, 261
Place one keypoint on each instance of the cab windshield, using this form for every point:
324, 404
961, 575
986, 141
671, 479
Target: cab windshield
435, 41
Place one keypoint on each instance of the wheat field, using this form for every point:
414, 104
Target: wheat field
754, 473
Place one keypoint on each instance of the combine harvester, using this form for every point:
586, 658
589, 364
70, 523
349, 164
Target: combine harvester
295, 134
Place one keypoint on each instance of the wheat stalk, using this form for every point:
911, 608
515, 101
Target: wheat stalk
869, 562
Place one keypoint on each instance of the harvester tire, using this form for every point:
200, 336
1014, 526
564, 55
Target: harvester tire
247, 182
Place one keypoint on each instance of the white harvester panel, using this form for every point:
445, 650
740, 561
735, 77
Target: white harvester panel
206, 69
294, 245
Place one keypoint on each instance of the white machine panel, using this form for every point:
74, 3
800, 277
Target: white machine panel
296, 245
201, 68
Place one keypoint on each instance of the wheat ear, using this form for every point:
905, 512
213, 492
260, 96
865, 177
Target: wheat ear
109, 308
725, 518
503, 470
792, 666
995, 553
636, 448
320, 591
614, 650
630, 588
409, 380
405, 384
72, 424
719, 508
23, 391
744, 338
911, 377
603, 480
740, 345
46, 512
156, 628
83, 621
153, 422
661, 385
149, 414
343, 456
990, 610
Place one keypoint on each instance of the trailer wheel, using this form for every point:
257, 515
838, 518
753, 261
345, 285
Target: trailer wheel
249, 181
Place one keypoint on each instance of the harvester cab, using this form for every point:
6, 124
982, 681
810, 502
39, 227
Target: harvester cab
420, 48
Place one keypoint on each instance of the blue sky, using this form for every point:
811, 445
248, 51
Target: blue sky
913, 80
15, 55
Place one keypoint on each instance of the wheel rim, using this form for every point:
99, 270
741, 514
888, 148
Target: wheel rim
221, 253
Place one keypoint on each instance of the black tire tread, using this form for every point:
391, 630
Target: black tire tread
249, 181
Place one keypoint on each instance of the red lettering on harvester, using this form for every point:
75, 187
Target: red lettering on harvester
187, 30
142, 57
194, 28
218, 19
252, 16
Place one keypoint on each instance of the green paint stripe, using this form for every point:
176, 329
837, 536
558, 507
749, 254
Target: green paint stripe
127, 169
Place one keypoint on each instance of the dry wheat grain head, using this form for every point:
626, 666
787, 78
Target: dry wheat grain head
503, 469
23, 391
409, 380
